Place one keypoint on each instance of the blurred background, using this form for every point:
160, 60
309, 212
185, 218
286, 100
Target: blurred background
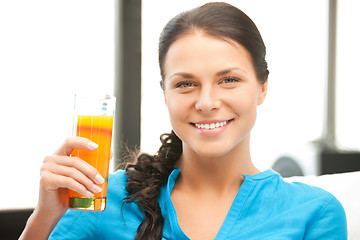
50, 50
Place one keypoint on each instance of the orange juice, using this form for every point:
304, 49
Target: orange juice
99, 130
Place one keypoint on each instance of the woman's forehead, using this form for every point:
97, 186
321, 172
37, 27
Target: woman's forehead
199, 51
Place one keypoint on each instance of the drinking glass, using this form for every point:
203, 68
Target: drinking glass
93, 119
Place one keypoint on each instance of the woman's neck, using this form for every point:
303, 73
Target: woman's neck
219, 174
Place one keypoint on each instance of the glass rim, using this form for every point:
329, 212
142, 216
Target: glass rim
103, 96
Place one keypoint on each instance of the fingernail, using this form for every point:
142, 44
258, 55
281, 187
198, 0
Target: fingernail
99, 179
92, 145
89, 194
97, 189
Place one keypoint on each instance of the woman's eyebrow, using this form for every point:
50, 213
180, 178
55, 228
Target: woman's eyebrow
221, 73
182, 74
226, 71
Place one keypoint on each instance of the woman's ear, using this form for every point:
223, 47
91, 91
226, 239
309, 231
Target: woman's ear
263, 92
163, 89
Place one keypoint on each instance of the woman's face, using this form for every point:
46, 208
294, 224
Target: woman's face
211, 92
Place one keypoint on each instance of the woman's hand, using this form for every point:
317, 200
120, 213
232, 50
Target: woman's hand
59, 173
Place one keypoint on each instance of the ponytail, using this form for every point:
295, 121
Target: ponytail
144, 179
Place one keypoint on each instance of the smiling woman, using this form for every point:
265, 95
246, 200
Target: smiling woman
202, 183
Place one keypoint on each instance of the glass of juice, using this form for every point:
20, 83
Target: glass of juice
93, 119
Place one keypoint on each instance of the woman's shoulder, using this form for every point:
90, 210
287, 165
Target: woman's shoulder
294, 194
327, 219
306, 210
117, 184
322, 204
118, 176
296, 189
307, 191
310, 193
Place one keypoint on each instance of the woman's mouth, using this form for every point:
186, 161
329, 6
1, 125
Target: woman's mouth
211, 125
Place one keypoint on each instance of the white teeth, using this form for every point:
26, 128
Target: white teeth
211, 125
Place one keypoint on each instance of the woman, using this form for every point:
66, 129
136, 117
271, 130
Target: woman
202, 183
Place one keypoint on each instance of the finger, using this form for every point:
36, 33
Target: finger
76, 163
51, 181
74, 173
76, 142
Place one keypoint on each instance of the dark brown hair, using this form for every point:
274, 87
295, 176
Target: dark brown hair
148, 173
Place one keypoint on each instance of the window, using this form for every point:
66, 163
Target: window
49, 51
347, 76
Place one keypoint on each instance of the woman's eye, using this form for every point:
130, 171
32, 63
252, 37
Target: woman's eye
184, 84
230, 80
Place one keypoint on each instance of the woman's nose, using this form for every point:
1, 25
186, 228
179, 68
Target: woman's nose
207, 100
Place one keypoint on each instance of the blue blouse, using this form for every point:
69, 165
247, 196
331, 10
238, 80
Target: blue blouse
265, 207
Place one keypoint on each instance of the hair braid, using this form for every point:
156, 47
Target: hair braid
145, 177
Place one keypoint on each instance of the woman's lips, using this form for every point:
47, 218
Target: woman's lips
211, 128
211, 125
